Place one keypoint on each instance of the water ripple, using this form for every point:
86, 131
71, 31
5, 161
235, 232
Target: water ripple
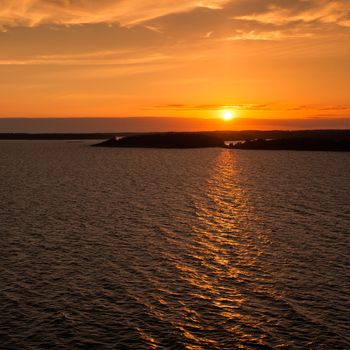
173, 249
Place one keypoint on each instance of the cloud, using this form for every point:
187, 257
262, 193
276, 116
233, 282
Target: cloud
287, 12
252, 107
69, 12
108, 57
272, 35
235, 20
320, 108
258, 20
213, 107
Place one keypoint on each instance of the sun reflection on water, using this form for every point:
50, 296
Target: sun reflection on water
214, 268
221, 257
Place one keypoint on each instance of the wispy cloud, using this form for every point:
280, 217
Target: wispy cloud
69, 12
213, 107
251, 107
286, 12
322, 108
234, 20
111, 57
272, 35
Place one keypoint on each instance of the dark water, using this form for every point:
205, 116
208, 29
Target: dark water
173, 249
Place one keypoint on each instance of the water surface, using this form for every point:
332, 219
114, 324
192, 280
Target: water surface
173, 249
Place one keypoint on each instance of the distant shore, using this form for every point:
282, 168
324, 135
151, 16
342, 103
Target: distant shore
296, 144
304, 140
307, 140
228, 135
60, 136
166, 140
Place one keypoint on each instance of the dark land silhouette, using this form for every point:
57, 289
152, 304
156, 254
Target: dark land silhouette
166, 140
59, 136
223, 135
297, 144
330, 140
310, 140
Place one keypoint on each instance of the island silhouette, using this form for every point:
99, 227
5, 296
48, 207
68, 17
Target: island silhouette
297, 144
165, 140
338, 141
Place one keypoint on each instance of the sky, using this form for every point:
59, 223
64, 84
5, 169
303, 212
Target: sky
271, 63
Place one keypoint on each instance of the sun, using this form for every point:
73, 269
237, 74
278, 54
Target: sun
227, 115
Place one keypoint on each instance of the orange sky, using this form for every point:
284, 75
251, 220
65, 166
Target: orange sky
266, 60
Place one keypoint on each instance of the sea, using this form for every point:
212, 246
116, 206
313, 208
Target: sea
173, 249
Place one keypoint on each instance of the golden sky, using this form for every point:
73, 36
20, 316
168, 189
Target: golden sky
262, 59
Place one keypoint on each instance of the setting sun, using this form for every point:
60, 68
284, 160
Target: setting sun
228, 115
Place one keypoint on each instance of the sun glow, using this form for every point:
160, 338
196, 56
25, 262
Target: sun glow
227, 115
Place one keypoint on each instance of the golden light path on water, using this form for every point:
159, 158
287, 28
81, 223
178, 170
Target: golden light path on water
219, 258
226, 251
